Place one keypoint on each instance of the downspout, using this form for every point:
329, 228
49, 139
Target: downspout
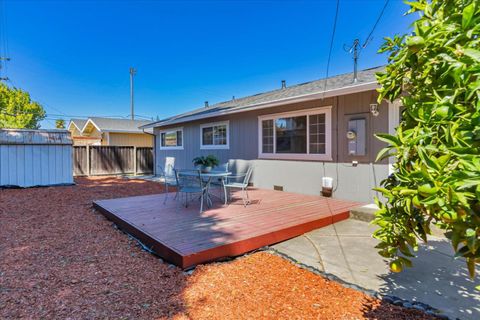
336, 143
154, 151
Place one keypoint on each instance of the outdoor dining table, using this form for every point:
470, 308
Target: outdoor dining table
209, 177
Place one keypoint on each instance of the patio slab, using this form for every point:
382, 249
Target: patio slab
346, 250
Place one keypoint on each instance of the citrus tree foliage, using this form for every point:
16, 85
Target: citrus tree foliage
17, 110
436, 75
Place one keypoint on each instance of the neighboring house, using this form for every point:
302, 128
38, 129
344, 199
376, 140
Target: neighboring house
110, 132
295, 135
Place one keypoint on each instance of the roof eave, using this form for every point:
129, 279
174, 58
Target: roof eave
301, 98
123, 131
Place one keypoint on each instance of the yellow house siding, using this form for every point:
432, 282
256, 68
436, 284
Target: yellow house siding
80, 139
130, 139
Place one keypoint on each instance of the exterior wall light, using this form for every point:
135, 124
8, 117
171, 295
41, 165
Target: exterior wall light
374, 109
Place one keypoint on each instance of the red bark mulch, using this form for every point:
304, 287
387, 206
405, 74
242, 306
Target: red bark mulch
60, 259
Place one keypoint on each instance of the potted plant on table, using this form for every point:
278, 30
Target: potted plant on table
206, 164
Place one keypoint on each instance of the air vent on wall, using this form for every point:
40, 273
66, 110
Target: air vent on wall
278, 188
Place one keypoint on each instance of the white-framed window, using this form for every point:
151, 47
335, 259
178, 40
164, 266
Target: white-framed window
296, 135
171, 139
215, 135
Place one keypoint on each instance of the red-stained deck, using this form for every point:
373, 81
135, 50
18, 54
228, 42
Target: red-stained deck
186, 238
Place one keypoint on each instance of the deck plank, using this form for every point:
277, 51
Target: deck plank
185, 237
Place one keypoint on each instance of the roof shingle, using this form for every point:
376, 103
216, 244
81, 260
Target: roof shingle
312, 87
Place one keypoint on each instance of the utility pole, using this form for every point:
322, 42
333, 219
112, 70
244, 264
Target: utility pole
133, 72
354, 50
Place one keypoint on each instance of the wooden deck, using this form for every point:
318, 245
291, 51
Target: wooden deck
186, 238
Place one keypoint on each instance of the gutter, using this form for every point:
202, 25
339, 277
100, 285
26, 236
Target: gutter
301, 98
143, 130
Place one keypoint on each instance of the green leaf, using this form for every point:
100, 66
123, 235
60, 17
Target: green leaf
416, 5
388, 138
467, 15
384, 154
472, 53
470, 232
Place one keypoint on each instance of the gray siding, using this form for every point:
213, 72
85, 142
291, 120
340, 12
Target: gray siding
353, 183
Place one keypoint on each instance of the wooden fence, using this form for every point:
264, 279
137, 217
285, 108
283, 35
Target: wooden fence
104, 160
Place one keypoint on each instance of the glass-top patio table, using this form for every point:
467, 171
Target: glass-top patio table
209, 177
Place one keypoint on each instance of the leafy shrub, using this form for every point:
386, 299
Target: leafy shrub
208, 161
435, 73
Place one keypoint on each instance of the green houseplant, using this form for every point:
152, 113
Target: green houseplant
206, 163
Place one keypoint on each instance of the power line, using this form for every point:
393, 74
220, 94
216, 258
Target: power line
4, 52
331, 47
355, 48
63, 114
367, 40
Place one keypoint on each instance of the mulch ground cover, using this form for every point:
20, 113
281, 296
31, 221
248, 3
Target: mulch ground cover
60, 259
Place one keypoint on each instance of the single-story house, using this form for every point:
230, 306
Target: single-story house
110, 132
294, 135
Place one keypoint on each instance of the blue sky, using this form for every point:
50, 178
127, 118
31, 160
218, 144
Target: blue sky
74, 56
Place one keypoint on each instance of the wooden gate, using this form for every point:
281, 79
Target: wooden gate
105, 160
144, 160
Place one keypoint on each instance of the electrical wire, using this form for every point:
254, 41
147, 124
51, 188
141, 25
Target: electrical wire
4, 51
331, 47
367, 40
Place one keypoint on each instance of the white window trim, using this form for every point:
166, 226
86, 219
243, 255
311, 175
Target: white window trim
393, 123
215, 147
169, 147
298, 156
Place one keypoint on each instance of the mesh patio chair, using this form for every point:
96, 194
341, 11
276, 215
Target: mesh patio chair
168, 175
239, 181
190, 183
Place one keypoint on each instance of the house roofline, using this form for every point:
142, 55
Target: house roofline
257, 106
94, 124
70, 124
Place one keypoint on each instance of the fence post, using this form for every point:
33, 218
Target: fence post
134, 160
88, 161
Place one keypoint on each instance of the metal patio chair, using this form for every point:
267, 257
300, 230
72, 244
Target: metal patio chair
239, 181
190, 183
168, 175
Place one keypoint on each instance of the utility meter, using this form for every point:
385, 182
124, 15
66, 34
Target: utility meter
356, 136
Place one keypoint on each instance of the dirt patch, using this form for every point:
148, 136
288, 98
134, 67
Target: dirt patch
60, 259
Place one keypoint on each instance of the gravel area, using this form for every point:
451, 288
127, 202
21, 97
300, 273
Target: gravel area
60, 259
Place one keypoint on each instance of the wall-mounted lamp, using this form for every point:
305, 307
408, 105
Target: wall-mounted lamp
374, 109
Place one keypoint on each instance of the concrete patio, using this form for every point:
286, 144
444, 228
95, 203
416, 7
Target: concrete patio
346, 250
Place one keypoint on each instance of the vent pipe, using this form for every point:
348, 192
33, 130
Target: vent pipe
284, 84
206, 104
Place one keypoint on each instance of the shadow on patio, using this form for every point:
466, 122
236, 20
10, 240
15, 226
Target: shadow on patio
438, 280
